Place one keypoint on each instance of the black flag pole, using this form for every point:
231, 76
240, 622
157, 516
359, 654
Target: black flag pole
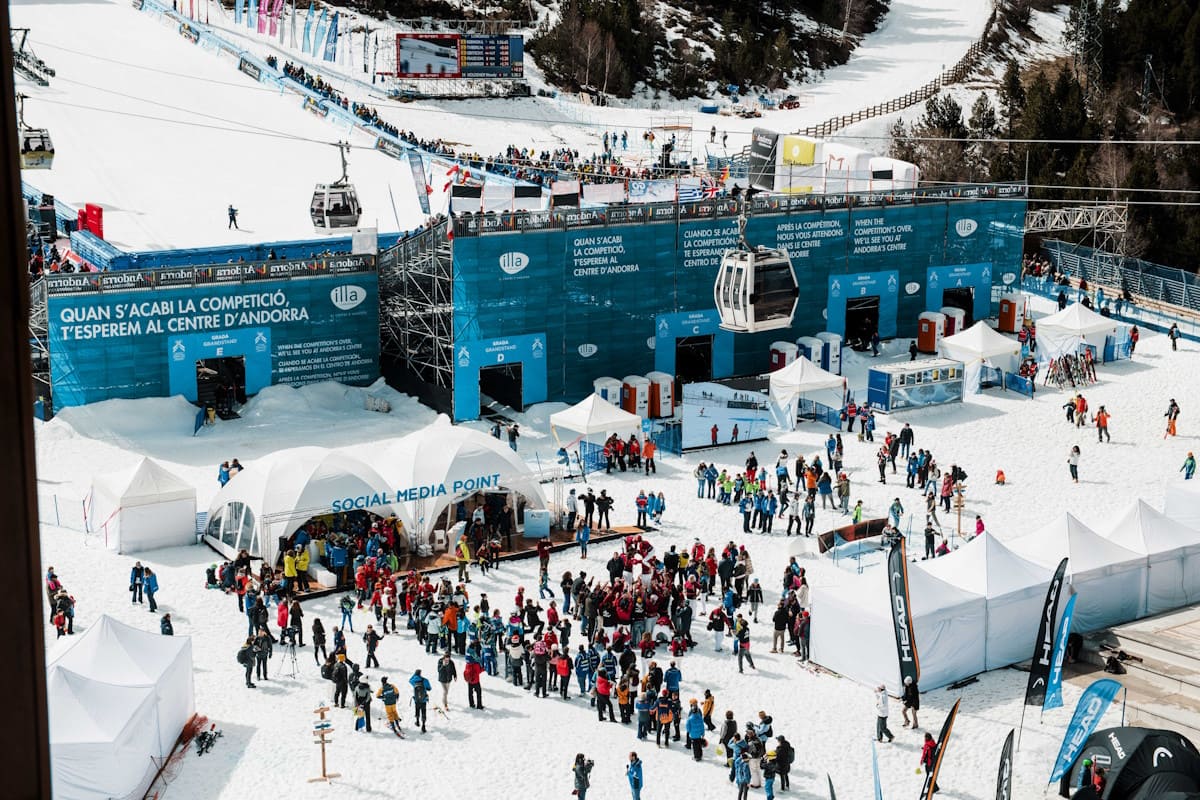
927, 791
1004, 774
906, 641
1043, 649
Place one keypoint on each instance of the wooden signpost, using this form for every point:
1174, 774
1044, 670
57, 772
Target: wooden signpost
322, 728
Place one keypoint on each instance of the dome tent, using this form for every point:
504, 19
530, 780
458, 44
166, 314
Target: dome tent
277, 494
143, 507
443, 463
104, 738
1142, 764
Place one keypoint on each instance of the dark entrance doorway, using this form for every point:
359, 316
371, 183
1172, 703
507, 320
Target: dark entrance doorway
220, 384
862, 320
961, 297
693, 361
501, 383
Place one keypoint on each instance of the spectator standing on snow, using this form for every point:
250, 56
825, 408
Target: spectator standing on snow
1173, 335
137, 575
1073, 463
245, 657
583, 775
881, 714
447, 674
1172, 415
318, 640
150, 583
233, 214
928, 755
634, 773
1102, 425
165, 627
911, 699
1189, 467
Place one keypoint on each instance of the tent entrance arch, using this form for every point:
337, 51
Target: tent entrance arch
693, 360
961, 297
221, 382
502, 383
862, 320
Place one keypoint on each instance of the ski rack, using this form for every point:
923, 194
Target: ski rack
25, 61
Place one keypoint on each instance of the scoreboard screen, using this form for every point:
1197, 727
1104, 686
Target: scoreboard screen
449, 55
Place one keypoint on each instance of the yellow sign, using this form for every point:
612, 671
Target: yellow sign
798, 151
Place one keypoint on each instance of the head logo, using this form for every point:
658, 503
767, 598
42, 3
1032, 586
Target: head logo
588, 350
347, 297
965, 227
1160, 752
513, 262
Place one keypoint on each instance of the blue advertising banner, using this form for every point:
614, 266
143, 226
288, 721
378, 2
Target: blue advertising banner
1054, 698
471, 356
670, 327
883, 285
128, 343
977, 277
1091, 707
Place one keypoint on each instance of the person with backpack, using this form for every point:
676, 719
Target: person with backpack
362, 701
785, 754
388, 694
420, 697
245, 657
341, 681
347, 606
262, 651
741, 633
1173, 335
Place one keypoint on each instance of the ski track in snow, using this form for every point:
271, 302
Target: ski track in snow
267, 747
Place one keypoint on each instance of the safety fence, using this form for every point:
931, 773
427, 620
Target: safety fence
60, 509
1170, 285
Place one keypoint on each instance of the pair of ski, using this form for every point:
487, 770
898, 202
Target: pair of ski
395, 726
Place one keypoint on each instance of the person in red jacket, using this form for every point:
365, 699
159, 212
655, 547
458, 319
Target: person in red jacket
471, 673
563, 669
604, 696
928, 754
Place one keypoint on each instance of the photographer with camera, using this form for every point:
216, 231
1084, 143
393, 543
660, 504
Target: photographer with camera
583, 775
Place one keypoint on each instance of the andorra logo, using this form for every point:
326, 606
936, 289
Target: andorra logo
513, 262
347, 297
965, 227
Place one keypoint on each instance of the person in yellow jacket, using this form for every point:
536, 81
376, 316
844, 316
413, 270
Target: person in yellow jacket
289, 568
302, 562
706, 708
463, 557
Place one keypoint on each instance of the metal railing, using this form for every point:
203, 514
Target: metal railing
1169, 285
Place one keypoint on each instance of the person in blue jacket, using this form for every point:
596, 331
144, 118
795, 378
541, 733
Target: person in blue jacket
770, 506
746, 506
710, 478
420, 697
642, 706
695, 731
634, 773
741, 775
582, 671
672, 677
150, 584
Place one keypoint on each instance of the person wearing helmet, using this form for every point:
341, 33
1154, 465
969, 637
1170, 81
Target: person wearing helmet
1085, 774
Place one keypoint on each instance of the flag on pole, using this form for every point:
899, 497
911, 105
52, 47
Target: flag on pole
832, 794
319, 33
906, 640
1043, 646
1054, 698
938, 754
273, 17
1092, 705
262, 15
252, 13
1004, 774
308, 23
237, 11
875, 771
332, 41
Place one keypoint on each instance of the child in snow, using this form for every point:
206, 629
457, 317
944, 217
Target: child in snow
1189, 467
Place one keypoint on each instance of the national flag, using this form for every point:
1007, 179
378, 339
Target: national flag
709, 188
688, 190
724, 173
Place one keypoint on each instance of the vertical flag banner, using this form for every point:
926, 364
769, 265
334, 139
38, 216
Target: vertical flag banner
1043, 647
273, 17
832, 794
319, 33
307, 29
418, 176
251, 13
906, 641
1004, 774
940, 753
875, 771
1095, 701
1054, 698
332, 41
262, 15
237, 12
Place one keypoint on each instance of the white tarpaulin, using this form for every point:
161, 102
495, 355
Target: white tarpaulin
594, 416
1014, 588
443, 463
277, 494
852, 632
103, 737
802, 380
979, 345
116, 653
1108, 579
1063, 332
144, 507
1172, 550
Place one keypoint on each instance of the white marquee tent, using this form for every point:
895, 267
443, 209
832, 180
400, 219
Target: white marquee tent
141, 508
1182, 502
1014, 588
103, 737
852, 631
803, 380
1172, 550
1064, 331
113, 652
979, 345
453, 462
594, 416
1108, 578
279, 493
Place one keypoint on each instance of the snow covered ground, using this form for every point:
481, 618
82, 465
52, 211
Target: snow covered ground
525, 746
165, 135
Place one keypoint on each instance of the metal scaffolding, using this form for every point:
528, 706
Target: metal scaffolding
1106, 222
416, 305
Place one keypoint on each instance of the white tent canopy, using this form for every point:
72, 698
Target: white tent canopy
852, 632
443, 463
277, 494
1064, 331
1182, 502
977, 345
143, 507
103, 737
1172, 552
802, 380
116, 653
1107, 577
594, 415
1014, 588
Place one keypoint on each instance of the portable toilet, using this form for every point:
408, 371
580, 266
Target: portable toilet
956, 320
609, 389
831, 359
810, 347
782, 354
662, 395
931, 327
1011, 308
635, 395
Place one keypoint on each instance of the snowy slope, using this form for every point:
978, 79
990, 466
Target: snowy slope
524, 745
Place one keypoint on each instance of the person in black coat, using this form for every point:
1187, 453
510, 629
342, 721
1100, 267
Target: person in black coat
911, 700
318, 640
341, 682
245, 657
165, 627
785, 754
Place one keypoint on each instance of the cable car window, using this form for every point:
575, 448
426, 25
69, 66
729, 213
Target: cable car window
775, 290
738, 276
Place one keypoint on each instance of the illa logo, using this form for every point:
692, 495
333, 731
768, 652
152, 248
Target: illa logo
347, 297
588, 350
513, 262
965, 227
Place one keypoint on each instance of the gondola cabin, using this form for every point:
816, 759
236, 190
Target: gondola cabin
335, 205
756, 290
37, 150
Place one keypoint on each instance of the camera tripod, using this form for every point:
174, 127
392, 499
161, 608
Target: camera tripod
289, 650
